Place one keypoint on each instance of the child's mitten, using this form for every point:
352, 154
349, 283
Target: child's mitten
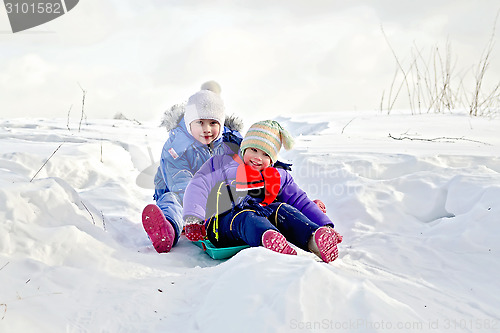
339, 236
195, 229
320, 205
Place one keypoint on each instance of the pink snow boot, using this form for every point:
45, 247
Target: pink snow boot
159, 229
276, 242
324, 242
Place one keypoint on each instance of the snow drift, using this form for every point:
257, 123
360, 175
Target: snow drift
419, 212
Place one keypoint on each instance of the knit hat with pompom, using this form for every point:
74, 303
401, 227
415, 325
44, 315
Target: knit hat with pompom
205, 104
268, 136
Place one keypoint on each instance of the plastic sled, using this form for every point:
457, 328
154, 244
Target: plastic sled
219, 252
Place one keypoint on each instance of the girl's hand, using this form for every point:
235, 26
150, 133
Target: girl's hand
321, 205
195, 229
339, 236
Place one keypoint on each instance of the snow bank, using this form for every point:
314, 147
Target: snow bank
419, 220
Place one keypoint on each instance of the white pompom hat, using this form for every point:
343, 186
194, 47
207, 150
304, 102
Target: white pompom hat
206, 104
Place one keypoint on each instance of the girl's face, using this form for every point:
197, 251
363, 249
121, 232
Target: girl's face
205, 130
256, 158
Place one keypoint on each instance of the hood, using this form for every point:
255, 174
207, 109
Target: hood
173, 116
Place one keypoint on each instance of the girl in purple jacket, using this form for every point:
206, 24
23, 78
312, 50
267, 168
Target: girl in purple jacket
243, 199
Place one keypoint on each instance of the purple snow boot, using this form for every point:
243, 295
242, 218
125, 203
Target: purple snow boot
276, 242
160, 231
324, 242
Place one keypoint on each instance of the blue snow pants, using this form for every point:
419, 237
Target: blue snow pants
246, 226
171, 207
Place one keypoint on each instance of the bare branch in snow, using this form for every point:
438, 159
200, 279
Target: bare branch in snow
440, 139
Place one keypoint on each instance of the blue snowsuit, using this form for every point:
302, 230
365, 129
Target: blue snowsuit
181, 157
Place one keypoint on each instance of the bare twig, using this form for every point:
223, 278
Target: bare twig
83, 108
103, 222
432, 84
382, 101
443, 138
93, 221
46, 162
477, 104
389, 105
67, 123
405, 75
4, 310
343, 128
4, 265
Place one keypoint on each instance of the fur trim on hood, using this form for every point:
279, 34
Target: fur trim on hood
234, 123
173, 116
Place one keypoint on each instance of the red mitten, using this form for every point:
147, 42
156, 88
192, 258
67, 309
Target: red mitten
320, 205
195, 229
339, 236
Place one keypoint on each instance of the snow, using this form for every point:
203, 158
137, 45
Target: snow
420, 220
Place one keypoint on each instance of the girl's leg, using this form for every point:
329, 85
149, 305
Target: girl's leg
163, 222
171, 207
159, 230
304, 233
293, 224
274, 241
249, 228
324, 242
219, 231
241, 226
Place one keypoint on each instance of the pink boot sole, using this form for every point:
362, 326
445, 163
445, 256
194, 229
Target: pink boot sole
160, 231
326, 242
276, 242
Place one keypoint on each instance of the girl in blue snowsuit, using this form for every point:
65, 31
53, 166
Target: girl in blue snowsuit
185, 151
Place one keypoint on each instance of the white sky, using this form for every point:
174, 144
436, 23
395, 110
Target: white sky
272, 57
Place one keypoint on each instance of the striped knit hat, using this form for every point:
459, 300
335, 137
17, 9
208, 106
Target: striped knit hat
269, 136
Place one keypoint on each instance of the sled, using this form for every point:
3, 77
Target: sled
219, 252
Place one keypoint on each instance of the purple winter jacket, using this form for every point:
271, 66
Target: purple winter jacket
198, 189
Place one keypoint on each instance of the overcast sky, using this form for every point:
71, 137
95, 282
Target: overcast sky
271, 57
